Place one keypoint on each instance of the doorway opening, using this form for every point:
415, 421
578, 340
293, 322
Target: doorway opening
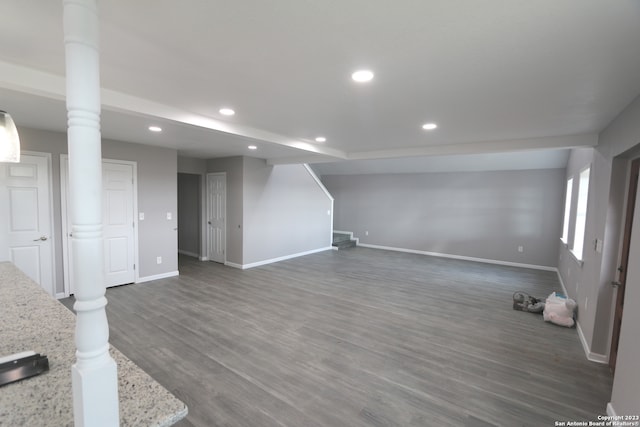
189, 214
624, 262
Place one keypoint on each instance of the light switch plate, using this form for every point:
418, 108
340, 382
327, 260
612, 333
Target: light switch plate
599, 246
141, 216
169, 216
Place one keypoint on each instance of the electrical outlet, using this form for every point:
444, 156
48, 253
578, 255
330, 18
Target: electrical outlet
521, 249
141, 216
169, 216
159, 260
366, 233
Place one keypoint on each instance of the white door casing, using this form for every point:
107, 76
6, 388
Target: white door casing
25, 206
118, 221
216, 216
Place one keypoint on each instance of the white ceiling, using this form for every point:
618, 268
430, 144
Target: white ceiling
498, 76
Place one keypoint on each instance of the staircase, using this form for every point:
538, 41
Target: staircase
343, 240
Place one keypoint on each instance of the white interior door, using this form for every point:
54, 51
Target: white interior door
216, 216
25, 203
118, 223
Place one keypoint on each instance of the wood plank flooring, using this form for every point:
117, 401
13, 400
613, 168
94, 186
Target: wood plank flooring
357, 337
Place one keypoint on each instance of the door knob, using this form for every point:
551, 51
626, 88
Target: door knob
616, 284
43, 238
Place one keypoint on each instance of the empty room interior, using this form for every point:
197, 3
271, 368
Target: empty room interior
306, 213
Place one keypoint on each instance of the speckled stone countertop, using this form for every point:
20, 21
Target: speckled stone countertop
30, 319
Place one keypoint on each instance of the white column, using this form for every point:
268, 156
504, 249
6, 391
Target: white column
94, 375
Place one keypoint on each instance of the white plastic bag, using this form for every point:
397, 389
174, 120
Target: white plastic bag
559, 310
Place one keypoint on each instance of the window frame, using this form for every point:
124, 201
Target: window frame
567, 211
581, 211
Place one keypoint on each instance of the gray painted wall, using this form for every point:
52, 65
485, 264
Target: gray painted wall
191, 165
285, 212
272, 211
610, 161
157, 195
157, 189
189, 194
455, 213
588, 281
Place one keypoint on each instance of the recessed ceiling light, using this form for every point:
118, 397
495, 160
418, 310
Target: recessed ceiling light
227, 112
155, 129
362, 76
252, 147
321, 139
429, 126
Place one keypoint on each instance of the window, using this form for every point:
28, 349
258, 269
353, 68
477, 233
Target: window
581, 214
567, 211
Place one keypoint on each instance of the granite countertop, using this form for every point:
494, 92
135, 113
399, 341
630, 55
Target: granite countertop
30, 319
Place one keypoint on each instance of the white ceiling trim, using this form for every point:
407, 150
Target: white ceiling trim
119, 102
35, 82
520, 160
552, 142
29, 80
514, 146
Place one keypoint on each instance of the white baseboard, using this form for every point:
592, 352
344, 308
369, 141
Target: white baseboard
233, 264
564, 289
158, 276
460, 257
187, 253
282, 258
60, 295
611, 411
594, 357
204, 258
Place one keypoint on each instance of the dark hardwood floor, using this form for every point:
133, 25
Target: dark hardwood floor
357, 337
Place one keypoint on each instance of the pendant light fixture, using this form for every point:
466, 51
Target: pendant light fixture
9, 140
